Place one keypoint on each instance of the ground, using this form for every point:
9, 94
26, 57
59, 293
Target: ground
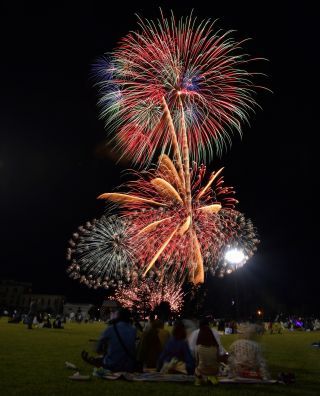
32, 363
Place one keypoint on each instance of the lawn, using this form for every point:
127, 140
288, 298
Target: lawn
32, 363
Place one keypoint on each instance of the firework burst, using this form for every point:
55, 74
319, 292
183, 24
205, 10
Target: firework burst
169, 237
242, 238
144, 295
170, 76
179, 89
100, 252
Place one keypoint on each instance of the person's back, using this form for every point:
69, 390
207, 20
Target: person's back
206, 360
47, 324
120, 338
150, 345
190, 325
32, 312
177, 348
206, 352
164, 336
221, 325
57, 324
193, 337
246, 358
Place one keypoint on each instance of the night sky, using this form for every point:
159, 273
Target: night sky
54, 160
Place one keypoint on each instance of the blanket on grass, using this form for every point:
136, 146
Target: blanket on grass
159, 377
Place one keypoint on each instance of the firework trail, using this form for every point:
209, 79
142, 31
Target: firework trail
181, 89
172, 82
169, 237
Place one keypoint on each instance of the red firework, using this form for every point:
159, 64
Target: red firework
173, 75
143, 296
165, 235
179, 89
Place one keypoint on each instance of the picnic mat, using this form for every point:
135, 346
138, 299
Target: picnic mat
159, 377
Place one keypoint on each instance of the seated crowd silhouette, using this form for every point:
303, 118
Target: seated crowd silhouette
187, 350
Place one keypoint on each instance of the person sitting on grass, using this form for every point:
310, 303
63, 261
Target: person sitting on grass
150, 345
47, 323
163, 334
16, 317
245, 355
57, 323
206, 355
176, 356
117, 344
193, 337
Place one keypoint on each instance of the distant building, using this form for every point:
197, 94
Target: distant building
18, 295
12, 293
50, 303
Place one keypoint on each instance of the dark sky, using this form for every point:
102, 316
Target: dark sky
52, 162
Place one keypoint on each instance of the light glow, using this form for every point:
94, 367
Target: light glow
235, 256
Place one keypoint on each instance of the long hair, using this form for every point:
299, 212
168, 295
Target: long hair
206, 337
179, 331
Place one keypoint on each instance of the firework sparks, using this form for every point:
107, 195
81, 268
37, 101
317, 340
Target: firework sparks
174, 239
242, 237
144, 295
100, 252
179, 89
172, 73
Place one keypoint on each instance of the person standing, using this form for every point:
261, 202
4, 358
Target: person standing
32, 313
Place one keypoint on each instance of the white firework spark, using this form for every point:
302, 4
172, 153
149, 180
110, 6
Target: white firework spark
100, 252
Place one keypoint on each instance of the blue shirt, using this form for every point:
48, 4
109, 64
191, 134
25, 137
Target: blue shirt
177, 349
116, 358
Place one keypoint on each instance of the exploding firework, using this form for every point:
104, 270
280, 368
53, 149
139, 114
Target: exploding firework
243, 241
144, 295
174, 82
100, 252
179, 89
167, 236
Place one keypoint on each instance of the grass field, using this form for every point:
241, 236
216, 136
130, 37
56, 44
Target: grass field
32, 363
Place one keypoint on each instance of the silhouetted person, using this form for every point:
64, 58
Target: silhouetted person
150, 345
16, 317
206, 352
57, 323
32, 313
176, 352
47, 323
117, 343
